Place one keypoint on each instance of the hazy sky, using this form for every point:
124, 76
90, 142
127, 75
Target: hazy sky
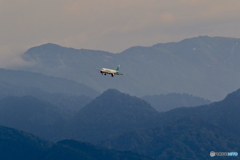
111, 25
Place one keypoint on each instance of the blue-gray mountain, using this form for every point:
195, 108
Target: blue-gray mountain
166, 102
203, 66
31, 115
112, 113
186, 139
19, 83
68, 102
187, 132
224, 113
18, 145
15, 144
129, 123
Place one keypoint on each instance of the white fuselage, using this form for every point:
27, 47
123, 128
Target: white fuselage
108, 71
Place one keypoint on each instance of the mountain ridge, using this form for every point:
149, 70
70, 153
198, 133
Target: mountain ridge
31, 115
51, 84
111, 113
15, 144
202, 66
165, 102
187, 138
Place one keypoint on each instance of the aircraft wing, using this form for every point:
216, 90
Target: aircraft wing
118, 73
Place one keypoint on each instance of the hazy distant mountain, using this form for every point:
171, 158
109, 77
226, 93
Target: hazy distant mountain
18, 82
165, 102
203, 66
187, 138
31, 115
69, 103
224, 113
111, 113
17, 145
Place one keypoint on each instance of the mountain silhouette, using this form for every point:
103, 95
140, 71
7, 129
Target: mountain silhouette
165, 102
187, 138
20, 145
17, 82
202, 66
111, 113
75, 150
31, 115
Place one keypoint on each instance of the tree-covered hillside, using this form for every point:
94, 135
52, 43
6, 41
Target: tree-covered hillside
119, 121
18, 145
187, 138
111, 113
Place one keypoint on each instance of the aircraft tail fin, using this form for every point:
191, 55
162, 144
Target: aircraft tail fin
118, 68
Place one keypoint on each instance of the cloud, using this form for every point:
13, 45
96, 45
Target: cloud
11, 57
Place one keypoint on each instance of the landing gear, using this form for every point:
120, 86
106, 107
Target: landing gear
112, 75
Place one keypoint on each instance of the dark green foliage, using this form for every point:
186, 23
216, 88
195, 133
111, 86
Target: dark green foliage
71, 149
206, 67
187, 138
112, 113
17, 145
64, 152
165, 102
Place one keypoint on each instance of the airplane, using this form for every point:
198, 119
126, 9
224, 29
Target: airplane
110, 71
